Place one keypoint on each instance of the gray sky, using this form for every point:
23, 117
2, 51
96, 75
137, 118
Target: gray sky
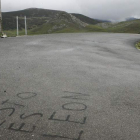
100, 9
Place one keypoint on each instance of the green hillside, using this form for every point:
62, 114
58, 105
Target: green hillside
35, 17
61, 23
57, 28
70, 28
41, 21
126, 27
122, 27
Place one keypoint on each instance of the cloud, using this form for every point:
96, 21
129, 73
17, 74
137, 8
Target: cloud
101, 9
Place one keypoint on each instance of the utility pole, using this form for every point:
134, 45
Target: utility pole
25, 26
0, 19
17, 27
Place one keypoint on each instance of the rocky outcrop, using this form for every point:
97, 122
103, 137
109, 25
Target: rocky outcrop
67, 18
78, 21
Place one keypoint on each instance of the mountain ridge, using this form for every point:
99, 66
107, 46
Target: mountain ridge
43, 15
44, 21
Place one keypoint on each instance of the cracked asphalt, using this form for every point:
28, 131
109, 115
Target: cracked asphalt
70, 87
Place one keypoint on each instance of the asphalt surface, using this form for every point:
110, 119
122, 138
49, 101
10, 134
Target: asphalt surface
70, 87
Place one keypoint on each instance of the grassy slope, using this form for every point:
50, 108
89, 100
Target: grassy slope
94, 28
35, 17
13, 33
72, 28
125, 27
45, 28
37, 23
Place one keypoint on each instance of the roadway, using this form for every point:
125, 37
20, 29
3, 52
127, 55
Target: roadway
70, 87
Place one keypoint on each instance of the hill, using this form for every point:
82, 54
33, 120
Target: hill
86, 19
35, 17
42, 21
132, 26
62, 22
130, 19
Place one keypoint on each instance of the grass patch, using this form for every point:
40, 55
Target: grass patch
138, 45
13, 33
125, 27
94, 28
62, 26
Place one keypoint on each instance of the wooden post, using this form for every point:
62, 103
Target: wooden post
25, 26
0, 19
17, 27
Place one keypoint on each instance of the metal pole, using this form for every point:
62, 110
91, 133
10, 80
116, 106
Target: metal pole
0, 18
17, 27
25, 26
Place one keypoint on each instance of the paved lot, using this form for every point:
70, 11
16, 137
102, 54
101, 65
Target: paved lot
70, 87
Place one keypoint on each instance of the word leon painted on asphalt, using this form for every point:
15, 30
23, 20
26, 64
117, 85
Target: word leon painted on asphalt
77, 104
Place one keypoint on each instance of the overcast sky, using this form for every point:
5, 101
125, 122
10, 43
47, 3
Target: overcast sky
100, 9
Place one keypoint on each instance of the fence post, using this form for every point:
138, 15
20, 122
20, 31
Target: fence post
0, 18
25, 26
17, 27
